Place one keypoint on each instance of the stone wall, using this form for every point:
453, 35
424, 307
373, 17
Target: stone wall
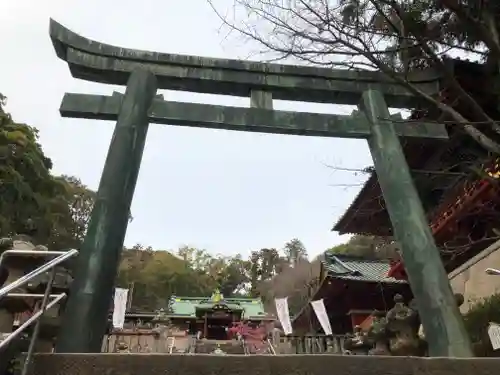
140, 364
471, 280
136, 343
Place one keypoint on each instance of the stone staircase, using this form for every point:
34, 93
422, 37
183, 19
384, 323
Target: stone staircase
159, 364
227, 346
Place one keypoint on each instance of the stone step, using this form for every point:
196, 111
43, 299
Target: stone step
161, 364
227, 346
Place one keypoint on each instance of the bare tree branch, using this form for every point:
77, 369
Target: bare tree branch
388, 35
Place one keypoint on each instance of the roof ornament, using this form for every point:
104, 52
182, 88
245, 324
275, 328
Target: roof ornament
217, 296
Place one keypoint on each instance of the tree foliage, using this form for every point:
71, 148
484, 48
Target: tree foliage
57, 207
369, 247
228, 273
263, 265
80, 200
156, 275
477, 321
298, 283
295, 251
400, 38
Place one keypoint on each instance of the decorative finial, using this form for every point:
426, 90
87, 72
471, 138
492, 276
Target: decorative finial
217, 296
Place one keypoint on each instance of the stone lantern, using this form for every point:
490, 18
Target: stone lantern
13, 268
403, 323
378, 334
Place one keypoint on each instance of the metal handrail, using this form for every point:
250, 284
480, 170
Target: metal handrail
32, 318
38, 271
271, 347
41, 253
45, 305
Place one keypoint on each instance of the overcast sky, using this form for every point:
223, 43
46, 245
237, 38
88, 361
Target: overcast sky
228, 192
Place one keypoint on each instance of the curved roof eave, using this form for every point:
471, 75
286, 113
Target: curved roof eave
342, 223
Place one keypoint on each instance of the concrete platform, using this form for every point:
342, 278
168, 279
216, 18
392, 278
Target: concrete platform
161, 364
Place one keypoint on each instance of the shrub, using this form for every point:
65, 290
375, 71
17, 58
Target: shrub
477, 320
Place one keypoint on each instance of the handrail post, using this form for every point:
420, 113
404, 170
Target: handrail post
36, 330
27, 323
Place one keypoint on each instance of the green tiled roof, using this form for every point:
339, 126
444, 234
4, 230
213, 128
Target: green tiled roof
354, 268
186, 306
210, 305
253, 308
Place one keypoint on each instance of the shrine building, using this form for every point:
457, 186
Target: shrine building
457, 180
212, 318
207, 317
351, 288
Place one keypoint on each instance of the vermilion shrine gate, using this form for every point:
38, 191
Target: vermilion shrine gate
144, 72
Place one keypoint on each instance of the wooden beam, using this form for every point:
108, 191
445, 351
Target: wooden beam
101, 107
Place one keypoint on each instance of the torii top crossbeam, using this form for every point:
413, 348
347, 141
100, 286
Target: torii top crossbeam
99, 62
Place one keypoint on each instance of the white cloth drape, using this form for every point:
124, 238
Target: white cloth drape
283, 314
120, 306
494, 334
320, 311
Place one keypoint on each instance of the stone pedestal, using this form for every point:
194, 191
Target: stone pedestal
358, 344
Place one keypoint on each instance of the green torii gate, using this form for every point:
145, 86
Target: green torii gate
144, 72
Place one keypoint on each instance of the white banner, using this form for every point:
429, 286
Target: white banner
320, 311
494, 334
120, 305
283, 314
